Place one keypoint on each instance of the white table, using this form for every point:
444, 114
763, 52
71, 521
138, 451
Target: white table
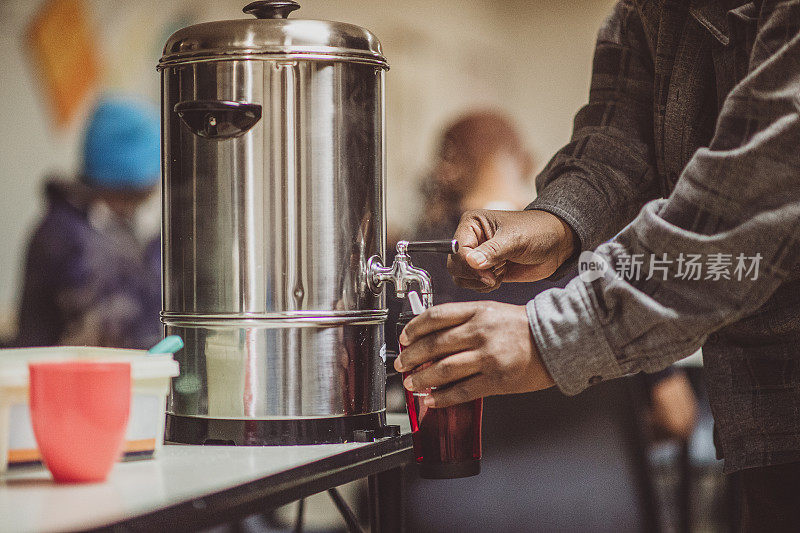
189, 486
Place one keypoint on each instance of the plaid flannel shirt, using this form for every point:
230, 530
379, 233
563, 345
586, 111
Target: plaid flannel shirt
689, 146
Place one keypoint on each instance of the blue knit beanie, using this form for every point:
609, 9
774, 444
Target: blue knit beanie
122, 148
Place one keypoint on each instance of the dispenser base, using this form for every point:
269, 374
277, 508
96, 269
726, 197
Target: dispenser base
449, 470
269, 432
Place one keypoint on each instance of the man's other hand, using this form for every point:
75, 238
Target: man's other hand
476, 349
498, 246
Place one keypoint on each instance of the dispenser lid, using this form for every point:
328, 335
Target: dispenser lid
272, 35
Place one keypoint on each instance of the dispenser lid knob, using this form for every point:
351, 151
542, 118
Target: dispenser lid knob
271, 9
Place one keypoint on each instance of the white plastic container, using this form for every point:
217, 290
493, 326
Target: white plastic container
150, 374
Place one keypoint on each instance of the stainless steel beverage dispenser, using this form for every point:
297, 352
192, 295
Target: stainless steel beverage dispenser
273, 229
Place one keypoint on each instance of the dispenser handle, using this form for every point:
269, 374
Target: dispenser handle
440, 247
218, 119
271, 9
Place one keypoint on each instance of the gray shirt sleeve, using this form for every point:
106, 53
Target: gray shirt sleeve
738, 199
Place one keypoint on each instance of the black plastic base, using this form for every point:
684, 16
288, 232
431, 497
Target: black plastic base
449, 470
270, 432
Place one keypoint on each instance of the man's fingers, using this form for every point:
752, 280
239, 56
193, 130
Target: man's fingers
459, 269
470, 389
471, 230
476, 284
435, 346
444, 371
474, 231
500, 269
489, 253
436, 318
488, 288
469, 283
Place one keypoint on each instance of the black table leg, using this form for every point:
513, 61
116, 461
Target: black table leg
373, 505
349, 516
386, 502
298, 521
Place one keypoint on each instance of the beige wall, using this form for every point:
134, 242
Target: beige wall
531, 58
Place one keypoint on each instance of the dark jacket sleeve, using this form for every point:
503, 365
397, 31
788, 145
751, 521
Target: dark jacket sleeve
598, 182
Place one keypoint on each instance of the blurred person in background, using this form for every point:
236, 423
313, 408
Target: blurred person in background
93, 274
482, 163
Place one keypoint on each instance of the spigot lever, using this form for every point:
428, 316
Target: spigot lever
439, 247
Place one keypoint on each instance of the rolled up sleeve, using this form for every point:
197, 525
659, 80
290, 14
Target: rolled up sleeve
573, 370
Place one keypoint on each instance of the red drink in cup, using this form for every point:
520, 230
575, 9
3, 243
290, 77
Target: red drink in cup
447, 441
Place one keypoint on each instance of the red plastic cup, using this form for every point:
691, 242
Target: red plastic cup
447, 441
79, 412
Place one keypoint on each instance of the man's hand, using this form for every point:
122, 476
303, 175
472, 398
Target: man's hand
476, 348
497, 246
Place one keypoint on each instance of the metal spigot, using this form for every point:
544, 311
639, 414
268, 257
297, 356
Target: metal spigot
402, 273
